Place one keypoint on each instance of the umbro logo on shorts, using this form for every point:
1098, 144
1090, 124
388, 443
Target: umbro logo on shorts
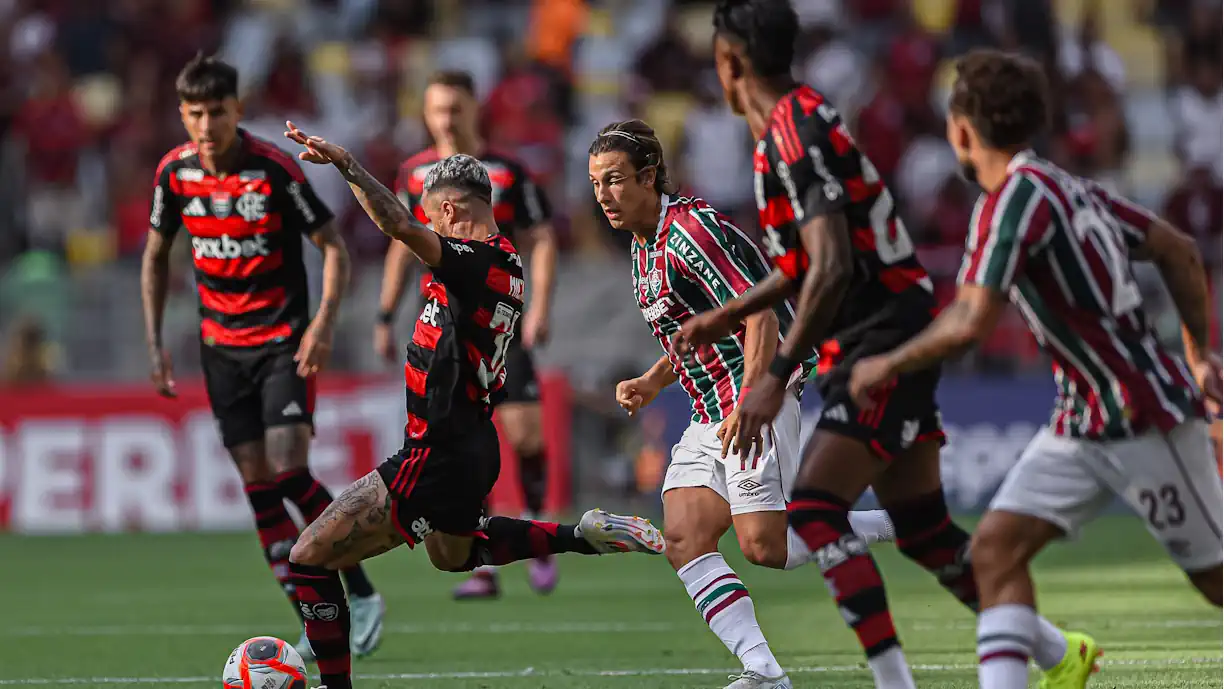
748, 485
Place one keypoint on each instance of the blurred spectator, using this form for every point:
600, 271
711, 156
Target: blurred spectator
1196, 207
28, 358
668, 64
1097, 139
911, 59
835, 67
52, 134
880, 130
1196, 106
522, 115
716, 152
555, 25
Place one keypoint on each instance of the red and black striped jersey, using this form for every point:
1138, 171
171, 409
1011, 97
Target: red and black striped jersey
246, 229
518, 204
807, 165
456, 359
1060, 247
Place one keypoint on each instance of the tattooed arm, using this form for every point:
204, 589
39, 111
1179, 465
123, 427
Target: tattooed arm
379, 202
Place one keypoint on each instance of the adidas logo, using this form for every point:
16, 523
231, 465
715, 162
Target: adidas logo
291, 409
195, 209
836, 413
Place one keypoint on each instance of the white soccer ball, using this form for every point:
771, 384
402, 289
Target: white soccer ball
264, 662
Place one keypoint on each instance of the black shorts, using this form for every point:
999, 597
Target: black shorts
521, 385
253, 390
442, 486
905, 414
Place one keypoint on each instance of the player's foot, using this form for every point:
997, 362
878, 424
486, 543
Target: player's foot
612, 533
542, 574
303, 648
1077, 665
367, 620
482, 584
753, 680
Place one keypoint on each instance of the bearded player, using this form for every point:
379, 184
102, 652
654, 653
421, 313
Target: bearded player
836, 241
687, 259
1128, 422
247, 207
434, 489
523, 212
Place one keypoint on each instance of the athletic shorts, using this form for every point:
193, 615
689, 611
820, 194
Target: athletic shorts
253, 390
521, 385
905, 412
442, 486
1168, 479
748, 485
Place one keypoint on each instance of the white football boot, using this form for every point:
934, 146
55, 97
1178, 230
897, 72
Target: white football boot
754, 680
613, 533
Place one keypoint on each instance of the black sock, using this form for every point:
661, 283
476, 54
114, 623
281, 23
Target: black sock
327, 622
927, 535
311, 499
822, 520
277, 533
505, 540
533, 477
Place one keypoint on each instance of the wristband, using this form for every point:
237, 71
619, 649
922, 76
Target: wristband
782, 367
743, 393
386, 317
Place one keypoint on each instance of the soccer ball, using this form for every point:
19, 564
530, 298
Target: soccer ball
264, 662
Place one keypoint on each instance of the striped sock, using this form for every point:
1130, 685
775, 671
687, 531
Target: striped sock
723, 600
277, 533
1005, 641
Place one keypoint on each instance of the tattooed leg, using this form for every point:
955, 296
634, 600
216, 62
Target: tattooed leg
356, 526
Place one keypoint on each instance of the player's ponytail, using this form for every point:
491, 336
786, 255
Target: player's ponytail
637, 140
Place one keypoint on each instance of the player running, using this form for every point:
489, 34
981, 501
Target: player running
247, 205
836, 241
434, 489
688, 259
522, 211
1129, 419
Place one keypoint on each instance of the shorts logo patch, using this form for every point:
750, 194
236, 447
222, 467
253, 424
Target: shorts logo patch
836, 413
421, 528
748, 485
292, 409
909, 431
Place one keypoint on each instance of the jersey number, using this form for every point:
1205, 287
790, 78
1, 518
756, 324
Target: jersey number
1087, 222
502, 323
892, 241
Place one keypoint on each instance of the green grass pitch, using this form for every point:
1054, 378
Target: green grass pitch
165, 610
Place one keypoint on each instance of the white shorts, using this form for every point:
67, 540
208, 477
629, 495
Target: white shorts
1170, 480
763, 485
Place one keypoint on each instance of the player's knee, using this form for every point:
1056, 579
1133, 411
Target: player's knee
765, 550
1209, 583
451, 555
997, 550
684, 547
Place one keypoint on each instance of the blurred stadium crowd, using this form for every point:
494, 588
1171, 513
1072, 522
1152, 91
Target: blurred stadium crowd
89, 108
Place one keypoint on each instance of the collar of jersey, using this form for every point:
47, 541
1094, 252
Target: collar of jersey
664, 202
1025, 156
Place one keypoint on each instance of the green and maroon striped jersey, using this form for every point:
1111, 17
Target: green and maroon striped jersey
1059, 246
698, 261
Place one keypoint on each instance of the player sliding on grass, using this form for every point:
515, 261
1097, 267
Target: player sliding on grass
1129, 419
434, 489
688, 259
837, 242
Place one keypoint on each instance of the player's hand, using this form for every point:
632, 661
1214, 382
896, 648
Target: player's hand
535, 328
758, 409
701, 329
1207, 374
728, 430
318, 151
384, 342
636, 393
162, 373
867, 377
314, 350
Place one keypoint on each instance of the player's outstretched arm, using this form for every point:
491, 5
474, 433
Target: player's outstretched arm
542, 257
391, 217
709, 326
826, 238
1181, 265
964, 323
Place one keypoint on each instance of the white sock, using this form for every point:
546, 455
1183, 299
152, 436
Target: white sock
873, 526
1005, 639
485, 570
723, 601
890, 670
1051, 644
797, 551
